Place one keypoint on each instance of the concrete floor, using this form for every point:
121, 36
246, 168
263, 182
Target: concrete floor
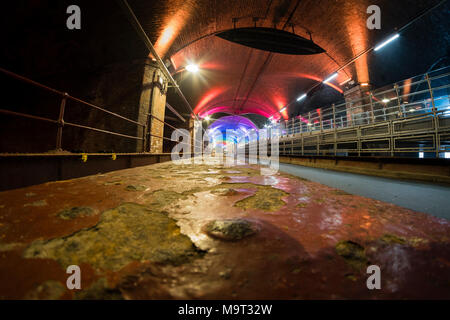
424, 197
166, 231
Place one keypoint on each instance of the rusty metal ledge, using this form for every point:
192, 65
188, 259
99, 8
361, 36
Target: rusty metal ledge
430, 170
22, 170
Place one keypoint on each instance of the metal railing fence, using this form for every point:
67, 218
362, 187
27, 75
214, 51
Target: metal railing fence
61, 123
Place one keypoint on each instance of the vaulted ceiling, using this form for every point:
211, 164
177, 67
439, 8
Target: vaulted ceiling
237, 79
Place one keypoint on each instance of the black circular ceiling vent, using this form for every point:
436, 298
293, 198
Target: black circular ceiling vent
271, 39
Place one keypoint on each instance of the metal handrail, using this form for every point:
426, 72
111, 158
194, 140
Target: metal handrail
104, 110
24, 115
60, 121
143, 35
329, 117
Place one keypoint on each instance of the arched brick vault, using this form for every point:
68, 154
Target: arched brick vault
235, 78
103, 62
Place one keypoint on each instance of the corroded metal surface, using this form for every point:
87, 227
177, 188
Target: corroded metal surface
184, 231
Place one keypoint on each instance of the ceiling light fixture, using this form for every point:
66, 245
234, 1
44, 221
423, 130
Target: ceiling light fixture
346, 81
395, 36
301, 97
192, 68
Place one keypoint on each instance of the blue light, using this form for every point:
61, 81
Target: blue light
386, 42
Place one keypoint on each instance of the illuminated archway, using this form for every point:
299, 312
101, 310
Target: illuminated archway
230, 129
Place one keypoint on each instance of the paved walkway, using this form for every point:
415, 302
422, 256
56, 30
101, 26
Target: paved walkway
423, 197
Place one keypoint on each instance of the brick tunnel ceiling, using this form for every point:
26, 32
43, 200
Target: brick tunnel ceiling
237, 79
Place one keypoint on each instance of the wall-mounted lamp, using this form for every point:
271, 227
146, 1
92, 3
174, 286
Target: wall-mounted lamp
334, 75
